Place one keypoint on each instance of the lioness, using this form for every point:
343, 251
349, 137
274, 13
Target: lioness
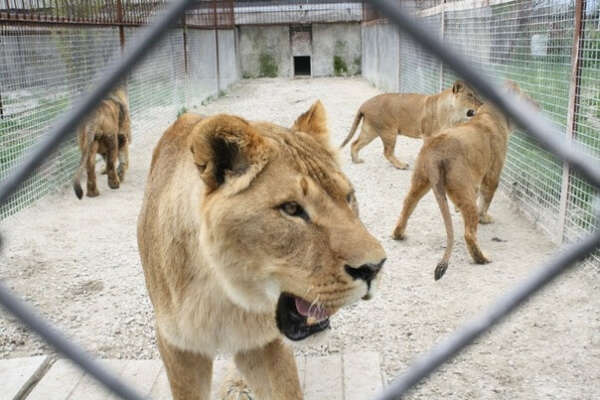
248, 231
463, 162
410, 114
107, 131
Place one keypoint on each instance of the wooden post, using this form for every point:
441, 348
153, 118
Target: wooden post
571, 113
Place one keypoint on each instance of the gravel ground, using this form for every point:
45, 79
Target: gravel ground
77, 261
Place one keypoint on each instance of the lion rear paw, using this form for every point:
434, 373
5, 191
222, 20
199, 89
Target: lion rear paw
485, 219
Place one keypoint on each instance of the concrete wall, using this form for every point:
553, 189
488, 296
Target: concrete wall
202, 65
381, 55
331, 40
228, 67
263, 45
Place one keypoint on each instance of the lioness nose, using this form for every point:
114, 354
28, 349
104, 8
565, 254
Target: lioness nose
366, 272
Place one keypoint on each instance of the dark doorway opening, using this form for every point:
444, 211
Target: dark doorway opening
302, 66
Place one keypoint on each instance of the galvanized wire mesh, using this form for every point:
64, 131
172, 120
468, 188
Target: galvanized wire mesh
531, 43
64, 49
571, 197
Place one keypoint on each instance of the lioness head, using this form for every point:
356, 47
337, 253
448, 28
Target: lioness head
280, 220
465, 102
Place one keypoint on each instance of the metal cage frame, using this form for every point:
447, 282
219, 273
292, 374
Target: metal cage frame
534, 124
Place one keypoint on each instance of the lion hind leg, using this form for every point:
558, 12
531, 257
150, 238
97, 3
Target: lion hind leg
112, 154
419, 186
123, 157
367, 134
92, 187
466, 201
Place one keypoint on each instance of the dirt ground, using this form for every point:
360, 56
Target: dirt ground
77, 261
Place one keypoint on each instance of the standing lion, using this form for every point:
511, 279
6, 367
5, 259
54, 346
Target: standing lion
410, 114
463, 163
106, 131
249, 232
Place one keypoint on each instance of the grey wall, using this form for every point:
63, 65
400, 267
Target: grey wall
264, 40
381, 55
202, 65
228, 68
330, 40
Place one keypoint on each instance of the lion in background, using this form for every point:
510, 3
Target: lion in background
106, 131
249, 232
410, 114
463, 162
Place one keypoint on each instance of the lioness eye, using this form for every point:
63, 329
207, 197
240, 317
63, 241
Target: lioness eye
349, 197
294, 209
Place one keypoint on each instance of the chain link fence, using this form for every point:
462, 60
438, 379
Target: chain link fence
532, 43
52, 51
511, 38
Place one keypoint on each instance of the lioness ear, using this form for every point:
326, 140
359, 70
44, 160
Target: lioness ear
224, 146
458, 86
314, 122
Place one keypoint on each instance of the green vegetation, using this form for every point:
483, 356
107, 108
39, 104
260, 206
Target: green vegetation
339, 66
181, 111
357, 65
268, 66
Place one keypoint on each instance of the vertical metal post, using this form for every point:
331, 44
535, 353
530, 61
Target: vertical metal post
573, 107
185, 51
217, 46
442, 35
1, 107
120, 22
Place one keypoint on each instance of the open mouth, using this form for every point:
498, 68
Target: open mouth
297, 319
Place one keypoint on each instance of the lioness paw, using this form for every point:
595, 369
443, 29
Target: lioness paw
485, 219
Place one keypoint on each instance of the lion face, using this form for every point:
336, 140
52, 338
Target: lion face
280, 221
465, 102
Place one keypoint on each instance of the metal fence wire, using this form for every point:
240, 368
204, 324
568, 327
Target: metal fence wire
551, 48
573, 153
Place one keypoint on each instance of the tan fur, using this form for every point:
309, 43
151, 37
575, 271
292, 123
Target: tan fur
107, 131
463, 162
218, 249
409, 114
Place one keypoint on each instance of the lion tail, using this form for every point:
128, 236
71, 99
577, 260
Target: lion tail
359, 116
439, 190
85, 154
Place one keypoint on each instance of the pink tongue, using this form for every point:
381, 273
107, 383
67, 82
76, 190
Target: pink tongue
306, 310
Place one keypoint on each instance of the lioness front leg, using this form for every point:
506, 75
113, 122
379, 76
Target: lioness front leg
271, 372
189, 373
389, 144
